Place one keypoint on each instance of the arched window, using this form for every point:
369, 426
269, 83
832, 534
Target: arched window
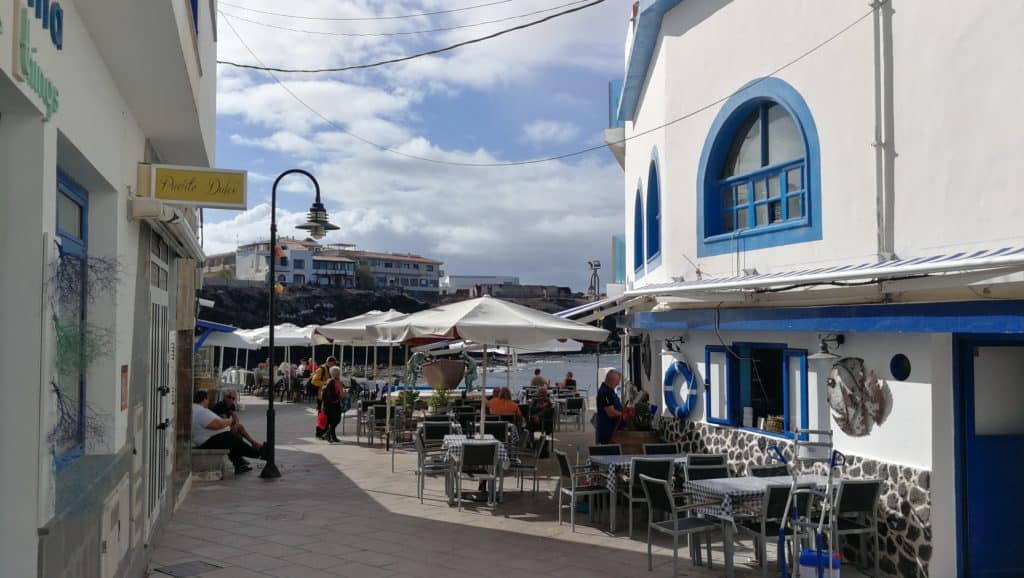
638, 232
653, 213
759, 176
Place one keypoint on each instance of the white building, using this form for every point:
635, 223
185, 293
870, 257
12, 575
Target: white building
450, 284
294, 264
96, 306
784, 186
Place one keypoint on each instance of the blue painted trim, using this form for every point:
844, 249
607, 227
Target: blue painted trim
202, 323
645, 40
716, 147
730, 376
203, 335
973, 317
638, 231
652, 213
801, 356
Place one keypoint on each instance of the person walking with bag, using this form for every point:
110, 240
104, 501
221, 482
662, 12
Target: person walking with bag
333, 395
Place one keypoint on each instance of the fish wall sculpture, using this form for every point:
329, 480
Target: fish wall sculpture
859, 399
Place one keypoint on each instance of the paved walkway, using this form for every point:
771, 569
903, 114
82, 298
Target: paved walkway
338, 510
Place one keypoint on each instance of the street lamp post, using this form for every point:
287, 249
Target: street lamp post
317, 225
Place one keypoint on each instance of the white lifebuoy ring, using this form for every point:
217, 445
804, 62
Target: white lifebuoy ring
680, 399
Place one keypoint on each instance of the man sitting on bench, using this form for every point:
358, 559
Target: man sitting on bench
227, 408
210, 432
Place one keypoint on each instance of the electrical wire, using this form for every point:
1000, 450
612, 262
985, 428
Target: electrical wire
364, 18
408, 33
552, 158
412, 56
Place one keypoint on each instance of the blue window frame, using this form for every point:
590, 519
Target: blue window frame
195, 15
638, 234
759, 175
73, 233
769, 378
653, 215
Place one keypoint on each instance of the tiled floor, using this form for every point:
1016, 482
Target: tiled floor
338, 510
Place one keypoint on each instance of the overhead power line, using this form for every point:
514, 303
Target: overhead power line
411, 56
575, 153
364, 18
407, 33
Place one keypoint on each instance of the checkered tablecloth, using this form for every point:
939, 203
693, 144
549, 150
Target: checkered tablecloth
623, 466
452, 445
731, 492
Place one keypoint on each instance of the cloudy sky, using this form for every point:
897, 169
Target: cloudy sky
533, 93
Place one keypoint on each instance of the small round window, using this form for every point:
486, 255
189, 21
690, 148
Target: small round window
899, 367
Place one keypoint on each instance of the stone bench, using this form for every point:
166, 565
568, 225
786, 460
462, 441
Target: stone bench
209, 465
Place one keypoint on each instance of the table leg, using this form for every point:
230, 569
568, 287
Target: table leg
727, 532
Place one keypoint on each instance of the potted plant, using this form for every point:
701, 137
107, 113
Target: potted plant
439, 401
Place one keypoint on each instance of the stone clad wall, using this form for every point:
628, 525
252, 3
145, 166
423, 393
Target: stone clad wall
904, 510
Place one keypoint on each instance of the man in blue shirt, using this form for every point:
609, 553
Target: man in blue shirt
609, 407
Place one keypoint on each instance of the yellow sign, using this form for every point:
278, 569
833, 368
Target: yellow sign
198, 187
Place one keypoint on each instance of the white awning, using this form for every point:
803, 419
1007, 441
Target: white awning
944, 264
599, 309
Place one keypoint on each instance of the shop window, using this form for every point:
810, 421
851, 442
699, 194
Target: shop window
765, 383
758, 183
299, 279
70, 311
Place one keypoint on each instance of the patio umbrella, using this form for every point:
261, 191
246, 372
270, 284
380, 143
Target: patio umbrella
487, 321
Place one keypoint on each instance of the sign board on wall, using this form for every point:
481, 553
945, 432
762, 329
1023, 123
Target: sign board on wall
26, 67
198, 187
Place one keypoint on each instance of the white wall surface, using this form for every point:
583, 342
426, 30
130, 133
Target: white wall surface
905, 437
957, 123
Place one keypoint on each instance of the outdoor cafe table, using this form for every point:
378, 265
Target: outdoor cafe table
731, 492
616, 465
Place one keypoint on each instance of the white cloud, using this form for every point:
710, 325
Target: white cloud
543, 132
541, 222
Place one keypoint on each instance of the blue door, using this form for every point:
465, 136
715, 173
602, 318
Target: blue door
991, 464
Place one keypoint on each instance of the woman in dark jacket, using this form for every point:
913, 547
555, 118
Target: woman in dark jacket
333, 394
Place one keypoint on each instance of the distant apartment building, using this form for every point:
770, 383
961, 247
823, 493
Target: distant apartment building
405, 272
293, 265
333, 271
451, 284
306, 262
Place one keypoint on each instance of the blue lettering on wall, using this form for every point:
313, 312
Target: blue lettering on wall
52, 17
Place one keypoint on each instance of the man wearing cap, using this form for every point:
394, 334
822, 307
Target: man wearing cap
609, 407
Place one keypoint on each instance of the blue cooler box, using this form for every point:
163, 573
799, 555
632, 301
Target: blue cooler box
811, 560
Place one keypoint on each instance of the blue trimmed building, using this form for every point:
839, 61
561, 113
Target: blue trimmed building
807, 182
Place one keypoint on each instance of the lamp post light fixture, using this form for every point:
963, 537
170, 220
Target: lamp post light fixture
317, 225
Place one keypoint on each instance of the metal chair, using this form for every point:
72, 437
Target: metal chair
569, 484
363, 417
478, 462
768, 470
771, 518
856, 513
430, 464
437, 418
498, 429
575, 407
697, 472
378, 420
706, 459
661, 501
605, 450
659, 469
660, 449
520, 467
433, 433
